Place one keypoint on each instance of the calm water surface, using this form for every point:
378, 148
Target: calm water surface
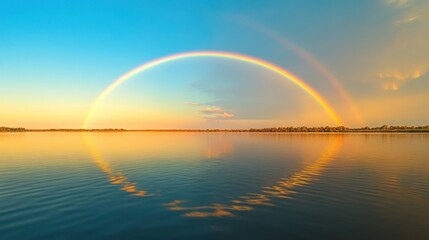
160, 185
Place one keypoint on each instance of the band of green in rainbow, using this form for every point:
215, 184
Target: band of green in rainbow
226, 55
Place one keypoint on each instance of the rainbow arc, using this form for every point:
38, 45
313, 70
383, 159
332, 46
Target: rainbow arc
215, 54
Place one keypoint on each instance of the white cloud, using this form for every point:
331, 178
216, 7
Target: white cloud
390, 87
212, 112
404, 53
391, 80
215, 112
226, 115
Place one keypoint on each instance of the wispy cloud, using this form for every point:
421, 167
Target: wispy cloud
401, 75
408, 19
212, 112
226, 115
396, 3
220, 116
194, 104
403, 55
393, 79
390, 87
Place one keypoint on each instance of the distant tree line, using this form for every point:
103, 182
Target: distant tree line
79, 130
383, 128
8, 129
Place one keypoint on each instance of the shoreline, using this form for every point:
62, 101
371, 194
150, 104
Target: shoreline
383, 129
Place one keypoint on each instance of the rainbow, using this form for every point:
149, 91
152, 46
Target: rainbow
319, 67
310, 59
226, 55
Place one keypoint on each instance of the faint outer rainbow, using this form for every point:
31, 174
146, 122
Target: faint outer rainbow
226, 55
316, 64
309, 58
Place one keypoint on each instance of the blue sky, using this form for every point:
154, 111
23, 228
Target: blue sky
57, 56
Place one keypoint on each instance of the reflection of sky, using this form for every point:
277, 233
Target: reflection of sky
283, 189
50, 182
57, 56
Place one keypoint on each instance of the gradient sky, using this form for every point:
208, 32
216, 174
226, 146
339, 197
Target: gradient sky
57, 56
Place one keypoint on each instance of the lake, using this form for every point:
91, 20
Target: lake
199, 185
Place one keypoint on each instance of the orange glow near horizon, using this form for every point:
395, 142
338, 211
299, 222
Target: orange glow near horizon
225, 55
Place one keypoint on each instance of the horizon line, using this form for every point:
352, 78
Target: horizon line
385, 128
